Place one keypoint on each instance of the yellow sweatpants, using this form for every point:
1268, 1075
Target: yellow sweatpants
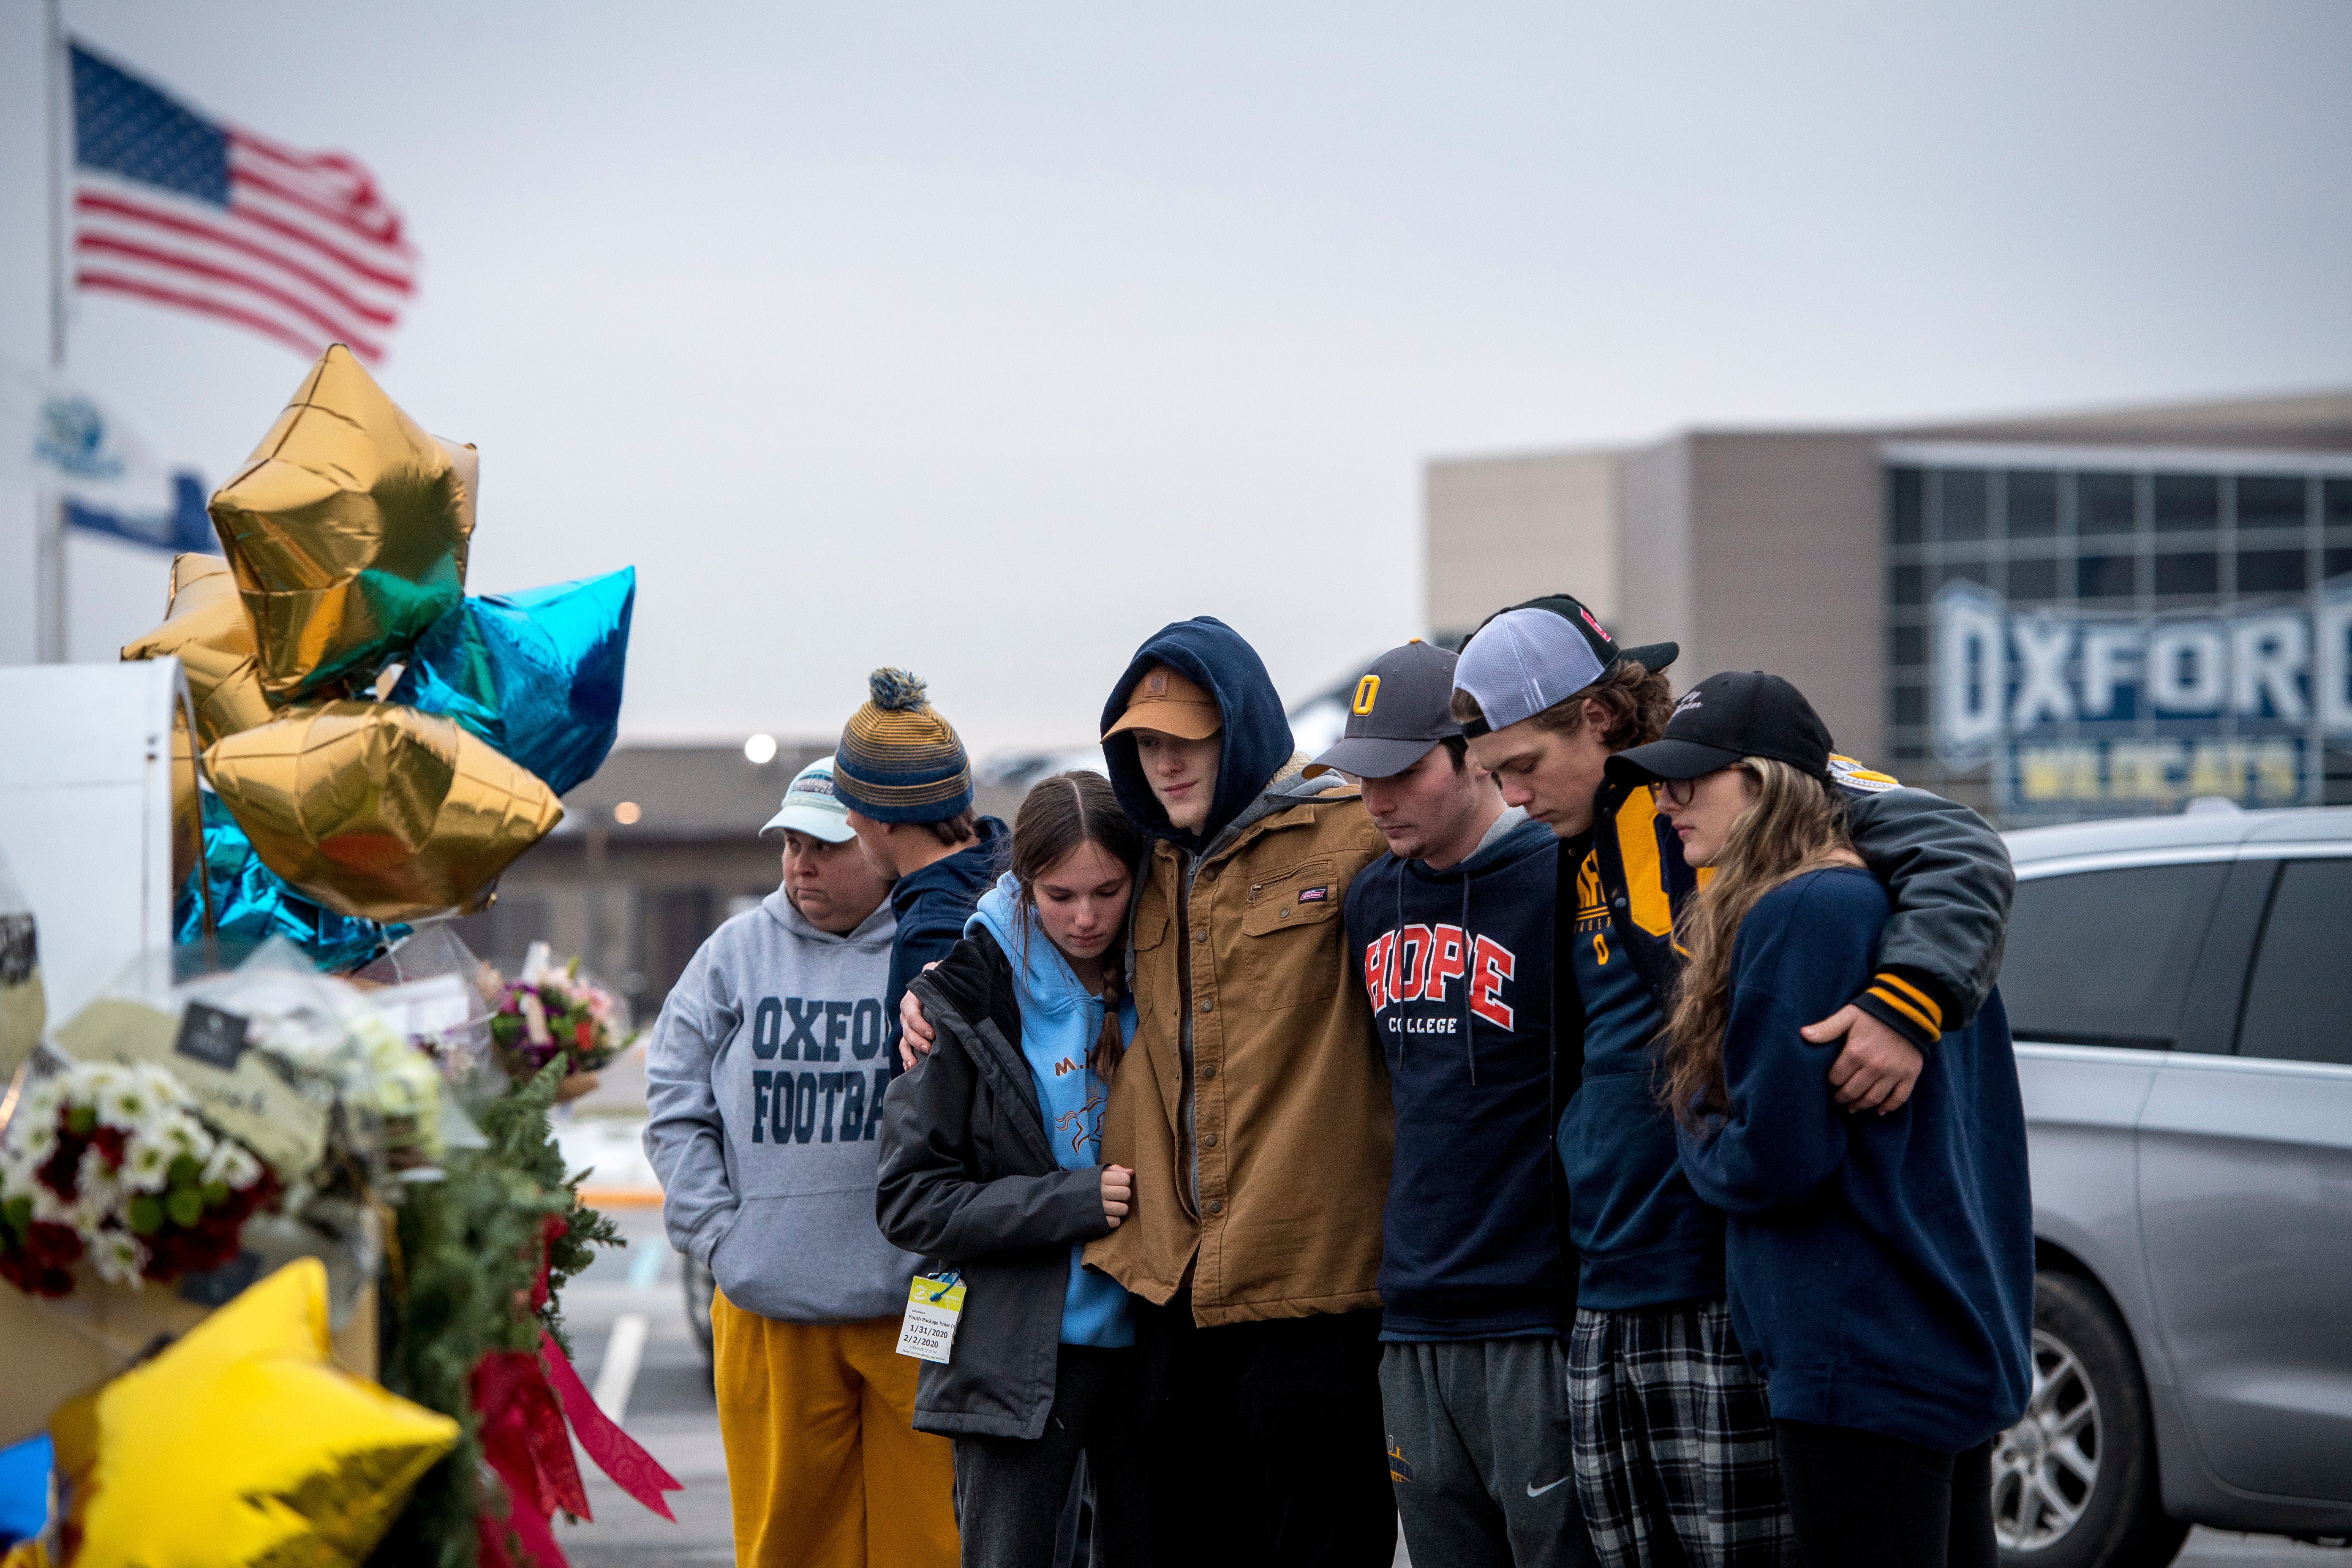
825, 1468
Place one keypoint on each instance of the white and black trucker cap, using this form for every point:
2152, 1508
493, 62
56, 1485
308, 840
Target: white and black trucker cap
1532, 655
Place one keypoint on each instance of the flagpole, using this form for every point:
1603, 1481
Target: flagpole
48, 508
53, 62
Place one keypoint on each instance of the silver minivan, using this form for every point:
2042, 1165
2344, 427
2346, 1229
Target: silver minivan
2180, 992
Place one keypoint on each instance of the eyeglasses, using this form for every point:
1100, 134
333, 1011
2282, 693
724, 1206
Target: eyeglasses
1677, 791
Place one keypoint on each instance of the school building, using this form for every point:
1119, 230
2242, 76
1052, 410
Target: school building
2052, 618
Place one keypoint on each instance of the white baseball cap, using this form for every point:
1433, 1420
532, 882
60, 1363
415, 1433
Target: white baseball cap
812, 807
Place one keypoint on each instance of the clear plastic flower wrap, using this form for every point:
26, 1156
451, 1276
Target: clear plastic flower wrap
329, 1039
439, 996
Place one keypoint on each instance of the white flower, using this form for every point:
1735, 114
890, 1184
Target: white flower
230, 1164
15, 1179
126, 1105
37, 1140
48, 1208
180, 1133
94, 1181
41, 1100
88, 1218
118, 1256
147, 1165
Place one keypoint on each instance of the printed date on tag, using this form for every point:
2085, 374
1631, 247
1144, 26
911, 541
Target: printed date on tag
933, 1306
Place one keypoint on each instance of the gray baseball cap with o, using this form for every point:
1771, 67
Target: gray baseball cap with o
1395, 714
812, 807
1537, 655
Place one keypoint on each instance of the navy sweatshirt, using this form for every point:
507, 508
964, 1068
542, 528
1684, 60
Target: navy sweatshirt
1880, 1269
932, 905
1458, 967
1642, 1237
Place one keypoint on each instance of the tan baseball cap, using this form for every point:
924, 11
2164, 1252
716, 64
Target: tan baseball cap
1169, 702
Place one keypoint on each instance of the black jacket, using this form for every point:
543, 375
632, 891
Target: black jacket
968, 1179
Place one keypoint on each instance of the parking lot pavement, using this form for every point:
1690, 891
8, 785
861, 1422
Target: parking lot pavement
669, 1410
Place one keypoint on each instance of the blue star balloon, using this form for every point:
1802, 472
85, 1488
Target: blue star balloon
251, 903
536, 674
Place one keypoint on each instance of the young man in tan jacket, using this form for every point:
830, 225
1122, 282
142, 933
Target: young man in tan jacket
1254, 1109
1258, 1126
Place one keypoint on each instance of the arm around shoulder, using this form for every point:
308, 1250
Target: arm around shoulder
1949, 875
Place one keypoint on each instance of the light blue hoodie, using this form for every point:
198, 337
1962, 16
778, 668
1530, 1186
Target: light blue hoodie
1059, 1025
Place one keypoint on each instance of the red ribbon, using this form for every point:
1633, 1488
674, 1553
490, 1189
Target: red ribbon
522, 1399
617, 1453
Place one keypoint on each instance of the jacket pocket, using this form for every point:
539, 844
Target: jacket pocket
1293, 940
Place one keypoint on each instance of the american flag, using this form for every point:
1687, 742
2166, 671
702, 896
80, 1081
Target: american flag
196, 214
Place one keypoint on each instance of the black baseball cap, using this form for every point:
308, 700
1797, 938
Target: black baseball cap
1535, 655
1396, 712
1740, 713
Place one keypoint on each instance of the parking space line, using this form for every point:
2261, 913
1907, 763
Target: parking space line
618, 1375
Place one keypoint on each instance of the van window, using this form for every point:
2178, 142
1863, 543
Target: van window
2299, 1006
2103, 958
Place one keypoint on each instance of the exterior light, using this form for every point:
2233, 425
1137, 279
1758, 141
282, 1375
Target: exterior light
759, 750
628, 813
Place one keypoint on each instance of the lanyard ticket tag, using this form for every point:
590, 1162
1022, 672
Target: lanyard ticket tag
933, 1305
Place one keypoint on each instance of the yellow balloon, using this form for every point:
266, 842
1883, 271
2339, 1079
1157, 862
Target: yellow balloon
347, 531
377, 810
242, 1445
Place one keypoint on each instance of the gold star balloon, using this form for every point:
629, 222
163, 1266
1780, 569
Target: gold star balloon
242, 1445
377, 810
346, 530
206, 629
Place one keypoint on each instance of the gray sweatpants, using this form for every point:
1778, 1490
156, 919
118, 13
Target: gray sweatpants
1480, 1453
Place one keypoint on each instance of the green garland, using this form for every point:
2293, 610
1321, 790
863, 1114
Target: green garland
468, 1252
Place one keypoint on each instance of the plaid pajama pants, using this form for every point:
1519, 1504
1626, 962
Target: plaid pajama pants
1672, 1429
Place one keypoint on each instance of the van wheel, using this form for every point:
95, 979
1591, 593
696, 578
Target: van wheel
2074, 1482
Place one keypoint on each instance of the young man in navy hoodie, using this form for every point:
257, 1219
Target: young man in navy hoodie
1451, 934
901, 771
1674, 1437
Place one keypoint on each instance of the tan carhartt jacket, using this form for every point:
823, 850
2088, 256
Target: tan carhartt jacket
1261, 1155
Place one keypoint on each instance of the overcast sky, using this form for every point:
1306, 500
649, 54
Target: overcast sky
983, 339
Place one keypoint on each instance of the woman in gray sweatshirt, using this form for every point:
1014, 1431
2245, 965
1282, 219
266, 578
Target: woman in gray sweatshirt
764, 1077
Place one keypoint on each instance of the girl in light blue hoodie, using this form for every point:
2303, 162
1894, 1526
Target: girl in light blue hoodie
990, 1164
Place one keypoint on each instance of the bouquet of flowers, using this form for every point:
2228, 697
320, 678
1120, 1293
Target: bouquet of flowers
110, 1163
550, 1012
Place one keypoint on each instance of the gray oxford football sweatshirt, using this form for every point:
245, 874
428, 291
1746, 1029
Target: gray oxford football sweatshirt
764, 1077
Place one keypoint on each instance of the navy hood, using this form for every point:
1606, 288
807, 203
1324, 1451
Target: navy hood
1255, 741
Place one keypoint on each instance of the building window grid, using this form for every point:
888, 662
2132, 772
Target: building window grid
1911, 742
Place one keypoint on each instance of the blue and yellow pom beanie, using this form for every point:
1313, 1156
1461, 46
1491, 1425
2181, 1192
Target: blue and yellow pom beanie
898, 761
